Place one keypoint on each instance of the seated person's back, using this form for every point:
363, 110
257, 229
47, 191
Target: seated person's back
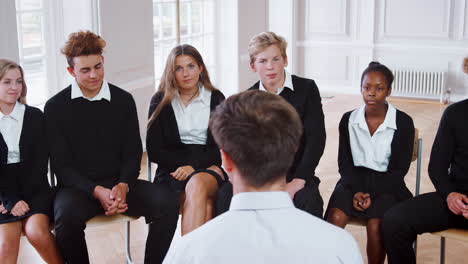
262, 225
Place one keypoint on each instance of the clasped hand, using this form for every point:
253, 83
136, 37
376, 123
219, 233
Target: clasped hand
20, 208
113, 201
458, 204
361, 201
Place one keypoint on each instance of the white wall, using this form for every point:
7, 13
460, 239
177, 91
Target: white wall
336, 39
127, 27
238, 21
9, 39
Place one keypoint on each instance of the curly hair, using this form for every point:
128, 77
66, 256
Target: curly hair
82, 43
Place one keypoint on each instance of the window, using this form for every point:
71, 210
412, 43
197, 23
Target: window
184, 21
43, 26
32, 45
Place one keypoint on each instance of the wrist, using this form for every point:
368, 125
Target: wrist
97, 190
125, 186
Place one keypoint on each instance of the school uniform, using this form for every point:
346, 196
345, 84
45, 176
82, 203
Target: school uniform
96, 141
374, 164
23, 162
304, 96
429, 212
180, 136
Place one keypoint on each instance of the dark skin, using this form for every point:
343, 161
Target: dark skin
374, 90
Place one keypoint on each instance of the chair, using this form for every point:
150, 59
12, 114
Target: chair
454, 233
104, 220
417, 150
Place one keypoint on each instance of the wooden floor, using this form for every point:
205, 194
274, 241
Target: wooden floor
106, 243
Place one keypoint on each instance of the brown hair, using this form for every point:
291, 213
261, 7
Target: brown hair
82, 43
465, 65
168, 85
5, 66
264, 40
260, 132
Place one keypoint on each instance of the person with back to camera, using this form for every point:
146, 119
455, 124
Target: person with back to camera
268, 59
375, 150
448, 206
258, 134
178, 138
25, 193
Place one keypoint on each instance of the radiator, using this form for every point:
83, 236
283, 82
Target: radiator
419, 84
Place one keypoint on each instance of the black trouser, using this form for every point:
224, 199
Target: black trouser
307, 199
424, 213
157, 203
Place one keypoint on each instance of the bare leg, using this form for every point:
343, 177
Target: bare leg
375, 244
10, 234
337, 217
37, 230
200, 189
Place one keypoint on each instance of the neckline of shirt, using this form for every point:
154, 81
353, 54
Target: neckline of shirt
287, 83
104, 92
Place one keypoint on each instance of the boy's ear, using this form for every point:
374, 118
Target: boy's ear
227, 161
252, 66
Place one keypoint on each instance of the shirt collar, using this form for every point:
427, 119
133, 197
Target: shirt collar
260, 200
287, 83
204, 95
104, 93
389, 122
17, 113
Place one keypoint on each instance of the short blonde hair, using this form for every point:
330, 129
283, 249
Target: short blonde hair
264, 40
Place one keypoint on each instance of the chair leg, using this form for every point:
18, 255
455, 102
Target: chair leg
442, 250
415, 247
127, 243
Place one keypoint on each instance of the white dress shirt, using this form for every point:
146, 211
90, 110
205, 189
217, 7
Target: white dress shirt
287, 83
265, 227
104, 93
374, 151
193, 120
11, 126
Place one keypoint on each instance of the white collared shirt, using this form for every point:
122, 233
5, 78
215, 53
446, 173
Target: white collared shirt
287, 83
104, 93
374, 151
193, 120
11, 126
265, 227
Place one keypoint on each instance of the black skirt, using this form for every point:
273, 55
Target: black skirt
342, 198
39, 203
163, 176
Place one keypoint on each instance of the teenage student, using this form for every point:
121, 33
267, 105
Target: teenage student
375, 150
96, 154
268, 59
25, 193
445, 208
178, 138
262, 224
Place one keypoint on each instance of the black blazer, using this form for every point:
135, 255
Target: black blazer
164, 146
307, 101
391, 181
33, 160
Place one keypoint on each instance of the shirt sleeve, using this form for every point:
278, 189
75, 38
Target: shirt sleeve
132, 148
441, 157
61, 154
314, 134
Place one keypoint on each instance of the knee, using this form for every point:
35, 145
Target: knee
336, 217
393, 222
197, 188
38, 236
